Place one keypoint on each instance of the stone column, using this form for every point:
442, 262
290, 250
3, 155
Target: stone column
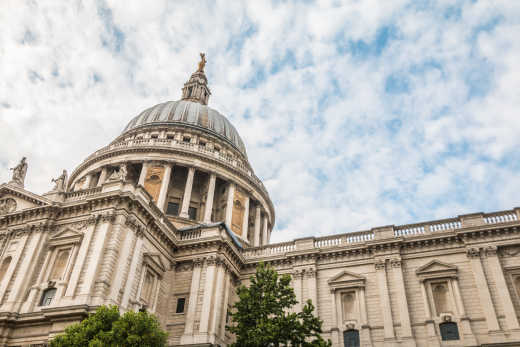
245, 221
483, 290
208, 209
121, 262
465, 324
433, 339
14, 261
223, 316
256, 241
25, 268
385, 299
87, 181
217, 305
502, 290
208, 297
229, 203
334, 323
165, 185
297, 280
102, 176
187, 193
132, 272
365, 330
312, 285
264, 232
93, 266
187, 338
142, 176
81, 257
404, 314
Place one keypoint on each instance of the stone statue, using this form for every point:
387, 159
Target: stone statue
61, 182
19, 172
119, 175
202, 62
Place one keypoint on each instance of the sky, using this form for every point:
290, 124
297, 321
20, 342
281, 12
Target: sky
355, 114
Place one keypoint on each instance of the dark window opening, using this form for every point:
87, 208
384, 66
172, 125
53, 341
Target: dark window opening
186, 139
351, 338
180, 305
172, 209
217, 149
155, 136
47, 296
169, 137
449, 331
202, 143
192, 213
189, 91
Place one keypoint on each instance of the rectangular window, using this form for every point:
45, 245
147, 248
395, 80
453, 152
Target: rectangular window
172, 209
186, 139
180, 305
202, 144
155, 136
169, 137
192, 213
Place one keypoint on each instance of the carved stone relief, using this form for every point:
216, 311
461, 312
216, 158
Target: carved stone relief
7, 205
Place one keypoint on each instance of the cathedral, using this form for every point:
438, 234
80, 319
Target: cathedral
170, 217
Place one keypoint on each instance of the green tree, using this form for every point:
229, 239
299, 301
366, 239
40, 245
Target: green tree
262, 317
106, 327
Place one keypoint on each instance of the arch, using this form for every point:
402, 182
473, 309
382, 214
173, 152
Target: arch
5, 265
449, 331
351, 338
47, 296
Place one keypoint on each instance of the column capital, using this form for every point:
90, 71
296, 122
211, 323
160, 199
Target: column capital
395, 262
380, 265
473, 252
491, 251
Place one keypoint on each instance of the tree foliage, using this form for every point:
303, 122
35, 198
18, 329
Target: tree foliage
262, 316
106, 327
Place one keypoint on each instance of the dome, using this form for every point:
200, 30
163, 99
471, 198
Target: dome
189, 113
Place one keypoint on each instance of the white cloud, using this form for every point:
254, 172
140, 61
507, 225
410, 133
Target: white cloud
340, 145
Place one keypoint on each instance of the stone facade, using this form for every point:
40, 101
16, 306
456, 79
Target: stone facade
171, 217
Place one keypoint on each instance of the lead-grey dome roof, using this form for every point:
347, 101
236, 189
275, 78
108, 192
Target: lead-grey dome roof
192, 114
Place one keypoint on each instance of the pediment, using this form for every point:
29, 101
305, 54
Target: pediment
66, 236
155, 262
14, 199
436, 268
346, 279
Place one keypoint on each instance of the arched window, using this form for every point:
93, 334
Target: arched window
47, 296
60, 264
351, 338
4, 267
449, 331
440, 298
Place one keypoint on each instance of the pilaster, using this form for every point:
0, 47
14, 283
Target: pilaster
385, 300
187, 337
404, 314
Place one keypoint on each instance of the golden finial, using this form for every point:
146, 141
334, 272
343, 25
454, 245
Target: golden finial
202, 62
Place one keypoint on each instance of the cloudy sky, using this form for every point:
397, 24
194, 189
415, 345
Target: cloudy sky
355, 114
